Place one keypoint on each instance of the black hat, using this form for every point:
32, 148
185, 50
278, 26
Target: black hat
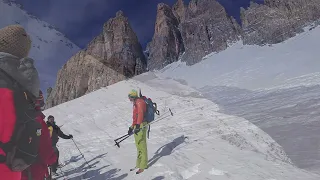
50, 116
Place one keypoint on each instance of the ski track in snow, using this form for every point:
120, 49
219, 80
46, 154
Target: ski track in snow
185, 146
190, 172
217, 172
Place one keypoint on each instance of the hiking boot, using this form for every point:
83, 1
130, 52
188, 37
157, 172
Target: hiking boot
139, 171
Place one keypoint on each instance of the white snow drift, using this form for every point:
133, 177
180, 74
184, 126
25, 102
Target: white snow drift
196, 142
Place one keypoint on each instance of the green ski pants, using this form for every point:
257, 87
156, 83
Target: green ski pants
142, 151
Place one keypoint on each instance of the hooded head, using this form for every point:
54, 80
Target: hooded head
51, 120
15, 46
15, 41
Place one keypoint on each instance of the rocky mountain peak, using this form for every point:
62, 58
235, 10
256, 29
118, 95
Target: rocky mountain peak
166, 45
207, 28
189, 32
112, 56
120, 14
179, 10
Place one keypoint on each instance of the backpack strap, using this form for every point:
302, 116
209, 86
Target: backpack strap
149, 129
5, 147
29, 174
16, 83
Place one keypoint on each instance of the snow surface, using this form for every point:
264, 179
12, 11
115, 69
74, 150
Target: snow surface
275, 87
50, 48
197, 142
291, 63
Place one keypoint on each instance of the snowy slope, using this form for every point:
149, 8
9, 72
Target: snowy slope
291, 63
197, 142
50, 48
275, 87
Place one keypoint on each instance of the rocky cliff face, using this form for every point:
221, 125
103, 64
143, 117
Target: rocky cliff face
196, 30
166, 45
207, 28
188, 31
179, 10
111, 57
276, 21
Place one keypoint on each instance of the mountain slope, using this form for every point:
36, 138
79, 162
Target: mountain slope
197, 142
256, 67
50, 48
275, 87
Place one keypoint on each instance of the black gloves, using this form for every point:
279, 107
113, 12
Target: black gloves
70, 136
130, 130
137, 129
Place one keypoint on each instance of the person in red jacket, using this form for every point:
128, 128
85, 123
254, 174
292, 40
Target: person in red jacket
139, 130
15, 45
47, 154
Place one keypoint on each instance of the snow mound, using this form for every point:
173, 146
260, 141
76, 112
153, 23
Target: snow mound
197, 142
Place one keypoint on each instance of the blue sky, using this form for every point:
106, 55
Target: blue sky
82, 20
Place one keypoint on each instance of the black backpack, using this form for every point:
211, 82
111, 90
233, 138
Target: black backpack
22, 149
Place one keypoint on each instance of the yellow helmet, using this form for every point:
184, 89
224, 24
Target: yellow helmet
133, 94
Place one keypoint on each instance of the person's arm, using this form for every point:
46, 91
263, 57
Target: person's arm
62, 135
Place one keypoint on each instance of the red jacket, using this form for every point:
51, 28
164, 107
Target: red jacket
46, 154
7, 122
139, 108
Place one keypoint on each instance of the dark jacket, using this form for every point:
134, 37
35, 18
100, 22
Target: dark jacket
23, 71
47, 155
56, 133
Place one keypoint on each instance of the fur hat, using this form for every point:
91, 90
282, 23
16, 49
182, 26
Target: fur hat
15, 41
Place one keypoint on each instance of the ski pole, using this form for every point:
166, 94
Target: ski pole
121, 137
118, 143
127, 135
81, 153
161, 118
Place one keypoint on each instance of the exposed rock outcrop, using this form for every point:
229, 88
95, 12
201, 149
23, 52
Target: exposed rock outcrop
188, 31
196, 30
276, 21
166, 45
112, 56
179, 10
207, 28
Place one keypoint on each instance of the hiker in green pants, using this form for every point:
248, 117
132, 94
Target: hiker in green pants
140, 132
142, 150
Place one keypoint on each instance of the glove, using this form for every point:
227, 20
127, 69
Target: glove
70, 136
137, 129
130, 130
